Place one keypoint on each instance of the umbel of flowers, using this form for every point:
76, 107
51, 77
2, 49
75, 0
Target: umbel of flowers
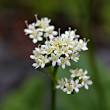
57, 49
77, 80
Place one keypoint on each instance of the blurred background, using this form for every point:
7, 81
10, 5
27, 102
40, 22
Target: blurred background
24, 88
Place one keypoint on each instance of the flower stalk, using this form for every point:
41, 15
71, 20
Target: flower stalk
53, 89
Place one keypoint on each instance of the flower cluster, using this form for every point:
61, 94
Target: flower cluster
40, 30
78, 79
59, 50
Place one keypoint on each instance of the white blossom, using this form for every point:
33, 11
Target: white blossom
50, 32
44, 60
31, 29
74, 56
66, 50
76, 85
86, 82
36, 36
44, 23
65, 61
55, 59
61, 84
73, 84
41, 29
74, 73
82, 45
58, 51
37, 63
82, 74
68, 89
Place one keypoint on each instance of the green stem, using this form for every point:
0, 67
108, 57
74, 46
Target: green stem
53, 89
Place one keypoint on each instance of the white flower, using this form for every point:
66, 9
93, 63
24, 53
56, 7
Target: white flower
47, 43
49, 50
64, 61
58, 51
60, 40
37, 63
55, 59
82, 74
44, 23
67, 81
34, 33
50, 32
74, 82
44, 60
36, 36
86, 82
68, 42
36, 53
70, 34
82, 45
76, 85
40, 29
42, 50
31, 29
74, 73
74, 56
68, 89
66, 50
61, 84
38, 23
54, 43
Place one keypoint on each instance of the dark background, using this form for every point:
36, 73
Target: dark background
24, 88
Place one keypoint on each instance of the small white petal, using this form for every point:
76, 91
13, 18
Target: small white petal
64, 89
58, 86
42, 65
72, 75
53, 63
31, 36
68, 63
77, 90
34, 40
63, 66
34, 64
55, 33
59, 61
32, 56
68, 92
40, 38
90, 82
27, 31
77, 81
86, 87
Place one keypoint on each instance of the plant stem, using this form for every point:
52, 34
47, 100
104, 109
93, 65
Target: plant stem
53, 89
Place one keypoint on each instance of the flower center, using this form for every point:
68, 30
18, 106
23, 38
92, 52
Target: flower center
69, 88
